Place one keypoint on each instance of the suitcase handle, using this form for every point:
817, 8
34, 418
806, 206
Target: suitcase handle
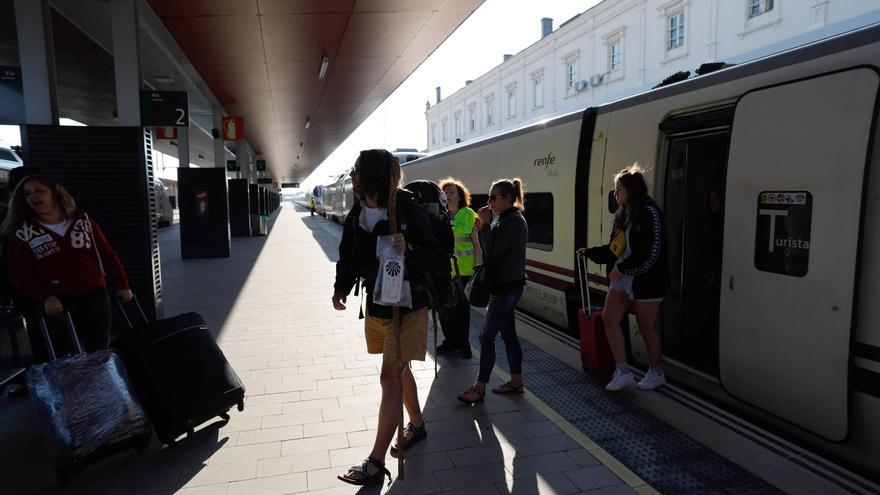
584, 286
124, 312
71, 330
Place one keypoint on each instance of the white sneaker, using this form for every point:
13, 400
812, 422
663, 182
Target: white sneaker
651, 380
620, 380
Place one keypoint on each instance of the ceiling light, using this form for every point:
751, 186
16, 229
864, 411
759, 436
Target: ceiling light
322, 72
308, 122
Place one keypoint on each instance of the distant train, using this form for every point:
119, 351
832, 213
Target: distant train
338, 195
769, 177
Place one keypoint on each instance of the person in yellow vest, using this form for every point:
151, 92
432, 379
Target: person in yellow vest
456, 322
311, 205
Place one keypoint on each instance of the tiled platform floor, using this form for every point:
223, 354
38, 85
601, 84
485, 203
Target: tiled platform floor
312, 398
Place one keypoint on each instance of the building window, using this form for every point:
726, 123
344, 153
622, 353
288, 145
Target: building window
457, 123
538, 89
571, 74
472, 117
676, 31
433, 134
511, 100
758, 7
490, 104
443, 129
615, 56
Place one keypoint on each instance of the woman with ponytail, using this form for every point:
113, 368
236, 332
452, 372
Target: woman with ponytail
639, 274
504, 240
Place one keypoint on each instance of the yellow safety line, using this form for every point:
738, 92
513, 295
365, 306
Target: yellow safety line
609, 461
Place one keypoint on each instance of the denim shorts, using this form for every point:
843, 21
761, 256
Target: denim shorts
623, 284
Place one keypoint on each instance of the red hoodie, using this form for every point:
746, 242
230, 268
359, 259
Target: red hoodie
43, 264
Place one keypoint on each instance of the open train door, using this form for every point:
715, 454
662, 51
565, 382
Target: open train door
794, 201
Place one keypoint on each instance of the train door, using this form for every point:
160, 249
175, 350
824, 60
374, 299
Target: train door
793, 212
696, 159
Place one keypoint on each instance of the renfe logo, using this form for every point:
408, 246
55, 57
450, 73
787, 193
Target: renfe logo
545, 161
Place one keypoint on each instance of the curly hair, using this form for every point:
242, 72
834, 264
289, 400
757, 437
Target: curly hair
464, 195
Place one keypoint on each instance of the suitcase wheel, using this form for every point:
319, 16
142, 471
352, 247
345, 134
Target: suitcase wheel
141, 444
241, 405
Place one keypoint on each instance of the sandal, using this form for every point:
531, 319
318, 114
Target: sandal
471, 396
507, 388
416, 433
362, 469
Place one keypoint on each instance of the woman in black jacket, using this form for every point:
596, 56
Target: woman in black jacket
504, 259
639, 276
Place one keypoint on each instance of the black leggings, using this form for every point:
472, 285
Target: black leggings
91, 316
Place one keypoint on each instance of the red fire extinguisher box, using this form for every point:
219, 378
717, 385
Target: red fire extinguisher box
204, 218
595, 352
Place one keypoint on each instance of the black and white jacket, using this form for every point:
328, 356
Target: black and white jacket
648, 261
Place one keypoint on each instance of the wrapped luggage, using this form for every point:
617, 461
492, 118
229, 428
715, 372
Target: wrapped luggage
84, 405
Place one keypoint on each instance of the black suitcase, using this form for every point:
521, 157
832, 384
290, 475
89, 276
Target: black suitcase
84, 405
179, 372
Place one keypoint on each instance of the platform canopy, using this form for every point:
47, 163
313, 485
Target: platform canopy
262, 59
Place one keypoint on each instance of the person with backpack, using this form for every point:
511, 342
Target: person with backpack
456, 321
374, 174
504, 240
57, 256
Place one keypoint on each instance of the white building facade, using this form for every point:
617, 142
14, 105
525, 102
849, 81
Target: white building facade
622, 47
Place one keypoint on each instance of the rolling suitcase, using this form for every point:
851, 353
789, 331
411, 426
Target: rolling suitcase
595, 352
84, 405
179, 372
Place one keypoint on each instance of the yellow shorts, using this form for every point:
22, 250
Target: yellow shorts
413, 336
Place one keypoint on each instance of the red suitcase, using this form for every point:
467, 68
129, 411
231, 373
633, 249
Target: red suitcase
595, 351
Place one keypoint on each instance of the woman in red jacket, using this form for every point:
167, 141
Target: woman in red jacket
58, 257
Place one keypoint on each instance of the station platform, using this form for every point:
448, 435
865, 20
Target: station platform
313, 392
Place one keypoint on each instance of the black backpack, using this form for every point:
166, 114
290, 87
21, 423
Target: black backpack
444, 289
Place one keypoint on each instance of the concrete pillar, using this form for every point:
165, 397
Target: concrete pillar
37, 55
219, 149
183, 147
126, 61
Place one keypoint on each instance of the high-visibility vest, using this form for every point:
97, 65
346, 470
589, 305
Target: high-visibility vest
462, 227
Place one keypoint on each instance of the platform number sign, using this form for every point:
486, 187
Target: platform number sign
782, 238
164, 109
261, 165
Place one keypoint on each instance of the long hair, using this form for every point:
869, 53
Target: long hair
513, 189
20, 211
376, 170
464, 195
633, 179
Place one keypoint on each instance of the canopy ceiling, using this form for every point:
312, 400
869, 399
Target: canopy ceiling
261, 59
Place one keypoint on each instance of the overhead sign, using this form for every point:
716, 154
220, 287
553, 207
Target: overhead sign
164, 109
11, 96
267, 180
290, 184
166, 133
782, 238
232, 166
233, 128
261, 165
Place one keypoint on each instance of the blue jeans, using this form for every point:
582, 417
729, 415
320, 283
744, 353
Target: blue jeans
500, 318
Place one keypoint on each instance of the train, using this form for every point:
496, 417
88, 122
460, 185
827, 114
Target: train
768, 173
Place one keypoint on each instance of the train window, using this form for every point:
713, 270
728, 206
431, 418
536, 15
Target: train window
538, 214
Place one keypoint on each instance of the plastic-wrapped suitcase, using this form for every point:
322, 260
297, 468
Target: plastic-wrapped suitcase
84, 405
179, 372
595, 352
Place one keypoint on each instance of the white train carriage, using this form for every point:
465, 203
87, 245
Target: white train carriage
769, 177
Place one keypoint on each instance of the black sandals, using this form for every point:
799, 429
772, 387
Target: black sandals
363, 472
416, 433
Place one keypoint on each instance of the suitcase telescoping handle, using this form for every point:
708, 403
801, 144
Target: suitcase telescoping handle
584, 286
137, 304
71, 330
